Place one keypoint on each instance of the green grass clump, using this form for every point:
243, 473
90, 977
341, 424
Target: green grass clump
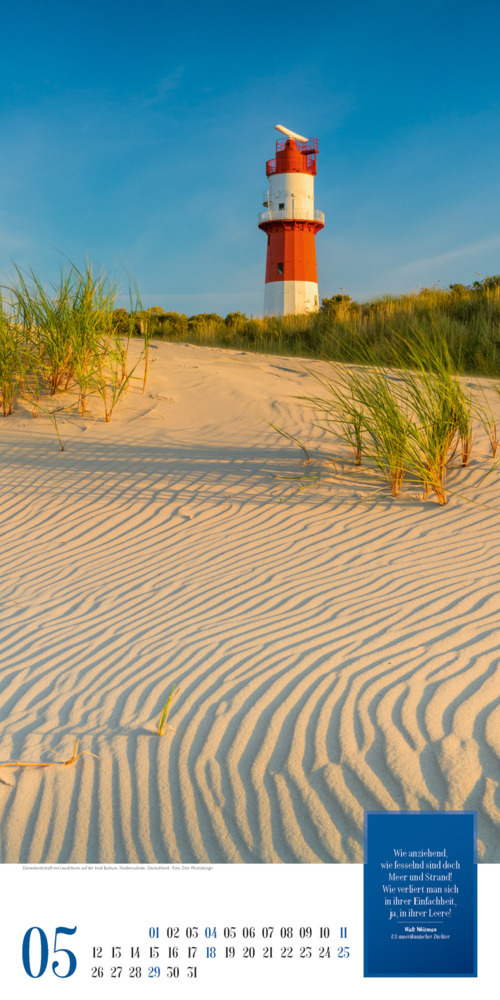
408, 420
12, 362
66, 337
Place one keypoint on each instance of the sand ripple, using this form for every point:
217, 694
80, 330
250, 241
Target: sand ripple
333, 655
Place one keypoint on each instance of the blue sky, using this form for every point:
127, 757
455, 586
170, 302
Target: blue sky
138, 134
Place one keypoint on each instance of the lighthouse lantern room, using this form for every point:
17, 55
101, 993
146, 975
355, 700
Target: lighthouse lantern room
291, 223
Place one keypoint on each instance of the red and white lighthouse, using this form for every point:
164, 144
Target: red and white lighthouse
291, 223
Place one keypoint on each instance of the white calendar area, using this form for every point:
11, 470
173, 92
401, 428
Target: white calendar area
199, 931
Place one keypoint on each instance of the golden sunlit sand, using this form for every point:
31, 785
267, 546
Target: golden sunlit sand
335, 650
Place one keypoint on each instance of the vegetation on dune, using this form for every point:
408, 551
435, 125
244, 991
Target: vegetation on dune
410, 426
66, 338
467, 319
411, 419
393, 392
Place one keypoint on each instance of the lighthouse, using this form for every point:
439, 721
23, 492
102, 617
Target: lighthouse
291, 223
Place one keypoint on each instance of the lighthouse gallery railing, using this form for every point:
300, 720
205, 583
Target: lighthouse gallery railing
284, 214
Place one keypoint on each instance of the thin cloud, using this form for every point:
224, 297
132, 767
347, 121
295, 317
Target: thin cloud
469, 250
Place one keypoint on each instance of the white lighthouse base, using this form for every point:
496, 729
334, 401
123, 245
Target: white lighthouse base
282, 298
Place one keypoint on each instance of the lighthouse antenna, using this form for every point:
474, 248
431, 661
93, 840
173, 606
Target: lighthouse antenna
291, 135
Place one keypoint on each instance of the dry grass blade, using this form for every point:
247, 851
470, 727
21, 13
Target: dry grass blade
53, 763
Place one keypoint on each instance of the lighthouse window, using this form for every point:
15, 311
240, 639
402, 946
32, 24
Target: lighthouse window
281, 205
280, 268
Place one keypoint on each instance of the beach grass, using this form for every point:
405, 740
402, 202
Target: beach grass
162, 725
407, 421
64, 338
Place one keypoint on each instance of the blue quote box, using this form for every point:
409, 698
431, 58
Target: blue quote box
420, 894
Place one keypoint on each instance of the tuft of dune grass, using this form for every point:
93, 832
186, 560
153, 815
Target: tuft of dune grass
65, 338
407, 420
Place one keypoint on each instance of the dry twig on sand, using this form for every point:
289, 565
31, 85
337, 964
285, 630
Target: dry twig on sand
52, 763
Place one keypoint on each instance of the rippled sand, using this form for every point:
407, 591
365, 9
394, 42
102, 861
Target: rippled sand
336, 650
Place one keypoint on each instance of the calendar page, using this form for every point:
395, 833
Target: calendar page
249, 500
206, 930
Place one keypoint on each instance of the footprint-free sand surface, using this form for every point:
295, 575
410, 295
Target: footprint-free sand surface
336, 650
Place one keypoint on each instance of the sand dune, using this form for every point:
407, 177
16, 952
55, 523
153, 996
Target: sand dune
336, 650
